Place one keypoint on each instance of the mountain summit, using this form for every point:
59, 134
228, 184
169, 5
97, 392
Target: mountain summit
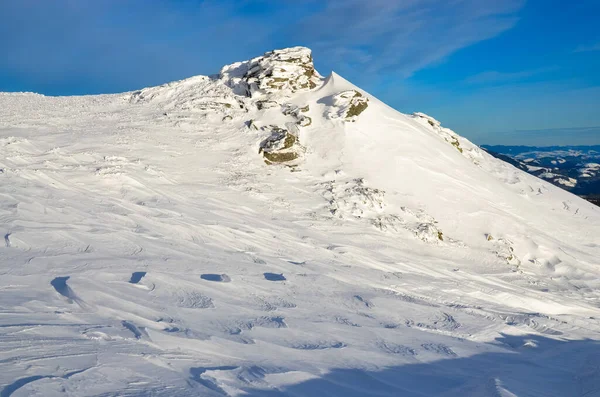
268, 231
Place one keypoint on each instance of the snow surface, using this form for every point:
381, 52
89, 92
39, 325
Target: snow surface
149, 250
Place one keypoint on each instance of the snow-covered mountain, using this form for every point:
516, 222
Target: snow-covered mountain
268, 231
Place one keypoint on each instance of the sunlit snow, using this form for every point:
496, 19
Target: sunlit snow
149, 249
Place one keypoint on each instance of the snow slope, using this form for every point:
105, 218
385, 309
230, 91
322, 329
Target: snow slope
263, 232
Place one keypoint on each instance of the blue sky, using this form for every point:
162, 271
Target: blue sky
497, 72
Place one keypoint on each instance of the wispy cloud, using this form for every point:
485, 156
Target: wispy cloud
404, 36
496, 77
126, 44
588, 48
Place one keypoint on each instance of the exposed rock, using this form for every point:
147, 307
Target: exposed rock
289, 109
348, 105
251, 124
281, 147
266, 104
468, 150
449, 136
305, 121
288, 69
430, 120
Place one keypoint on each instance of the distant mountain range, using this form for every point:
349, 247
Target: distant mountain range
573, 168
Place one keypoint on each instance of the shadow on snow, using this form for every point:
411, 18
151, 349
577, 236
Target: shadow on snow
531, 366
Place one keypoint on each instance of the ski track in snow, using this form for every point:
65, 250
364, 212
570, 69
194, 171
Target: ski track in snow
149, 250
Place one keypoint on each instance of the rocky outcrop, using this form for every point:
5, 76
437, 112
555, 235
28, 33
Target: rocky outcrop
268, 80
281, 146
348, 105
296, 112
290, 69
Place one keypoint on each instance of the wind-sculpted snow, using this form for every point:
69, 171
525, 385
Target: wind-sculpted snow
165, 242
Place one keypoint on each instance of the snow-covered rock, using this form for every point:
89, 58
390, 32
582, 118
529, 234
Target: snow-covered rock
348, 105
280, 147
289, 69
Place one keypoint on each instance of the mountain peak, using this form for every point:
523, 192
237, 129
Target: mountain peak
289, 69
